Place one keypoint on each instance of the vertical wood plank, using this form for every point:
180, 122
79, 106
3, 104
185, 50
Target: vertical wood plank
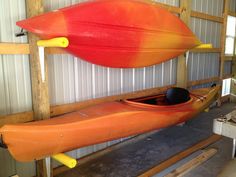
222, 44
40, 96
223, 38
182, 71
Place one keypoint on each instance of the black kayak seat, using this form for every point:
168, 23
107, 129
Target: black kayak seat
177, 95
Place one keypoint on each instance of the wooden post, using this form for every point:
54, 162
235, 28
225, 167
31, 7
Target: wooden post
182, 71
222, 45
223, 38
41, 106
233, 81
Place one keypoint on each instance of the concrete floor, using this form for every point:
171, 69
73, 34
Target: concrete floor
135, 158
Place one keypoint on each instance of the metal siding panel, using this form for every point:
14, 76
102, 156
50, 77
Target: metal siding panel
128, 80
203, 66
84, 82
115, 82
100, 81
149, 77
158, 75
14, 79
227, 67
232, 5
212, 7
25, 169
61, 79
167, 73
15, 82
169, 2
138, 79
174, 71
7, 164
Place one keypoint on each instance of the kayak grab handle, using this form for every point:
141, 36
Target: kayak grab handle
62, 42
204, 46
65, 160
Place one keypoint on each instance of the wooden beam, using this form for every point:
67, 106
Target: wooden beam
16, 118
213, 50
229, 58
160, 167
195, 162
182, 72
14, 48
223, 43
233, 82
40, 98
204, 81
172, 9
232, 14
206, 17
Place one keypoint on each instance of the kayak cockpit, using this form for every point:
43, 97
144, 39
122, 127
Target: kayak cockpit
173, 96
152, 100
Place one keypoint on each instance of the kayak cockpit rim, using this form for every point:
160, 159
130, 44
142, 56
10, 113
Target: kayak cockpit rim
135, 102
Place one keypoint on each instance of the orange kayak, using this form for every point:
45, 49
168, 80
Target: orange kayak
116, 33
100, 123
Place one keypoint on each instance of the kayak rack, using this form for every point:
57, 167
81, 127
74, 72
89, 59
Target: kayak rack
204, 46
61, 42
65, 160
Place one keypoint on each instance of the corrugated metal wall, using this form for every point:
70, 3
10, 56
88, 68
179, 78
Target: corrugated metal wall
15, 87
72, 79
205, 65
232, 6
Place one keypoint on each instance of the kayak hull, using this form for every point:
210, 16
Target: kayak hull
116, 33
96, 124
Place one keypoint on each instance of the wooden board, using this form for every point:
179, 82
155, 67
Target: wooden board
182, 79
190, 165
160, 167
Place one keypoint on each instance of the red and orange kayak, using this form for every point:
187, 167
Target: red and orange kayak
100, 123
116, 33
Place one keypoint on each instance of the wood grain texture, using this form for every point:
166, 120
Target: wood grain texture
212, 50
40, 98
223, 37
212, 139
14, 48
195, 162
223, 43
182, 72
207, 17
232, 14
